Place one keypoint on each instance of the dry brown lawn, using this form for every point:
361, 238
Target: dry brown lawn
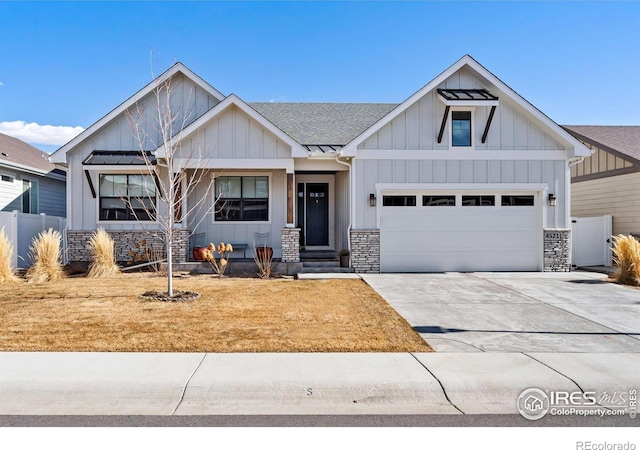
233, 315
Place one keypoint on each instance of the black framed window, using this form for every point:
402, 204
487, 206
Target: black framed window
398, 200
127, 197
478, 200
517, 200
438, 200
461, 128
242, 199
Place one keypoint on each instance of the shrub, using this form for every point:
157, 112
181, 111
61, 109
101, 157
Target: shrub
218, 266
263, 256
45, 255
626, 251
102, 247
7, 274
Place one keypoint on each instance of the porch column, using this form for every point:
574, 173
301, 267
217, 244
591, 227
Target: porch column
290, 200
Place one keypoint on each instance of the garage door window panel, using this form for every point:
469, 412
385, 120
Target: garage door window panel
478, 200
438, 200
517, 200
398, 200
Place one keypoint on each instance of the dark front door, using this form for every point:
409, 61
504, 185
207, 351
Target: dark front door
317, 228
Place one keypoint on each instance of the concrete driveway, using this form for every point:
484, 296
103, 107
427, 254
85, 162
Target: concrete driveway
516, 312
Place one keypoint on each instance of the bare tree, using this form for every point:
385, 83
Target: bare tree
176, 171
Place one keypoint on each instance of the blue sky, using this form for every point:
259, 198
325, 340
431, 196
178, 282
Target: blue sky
66, 64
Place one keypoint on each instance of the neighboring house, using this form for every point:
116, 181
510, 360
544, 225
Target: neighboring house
29, 183
608, 182
463, 175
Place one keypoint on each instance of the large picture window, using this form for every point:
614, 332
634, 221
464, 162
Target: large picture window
242, 199
127, 197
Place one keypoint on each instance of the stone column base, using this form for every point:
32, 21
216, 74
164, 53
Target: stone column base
557, 250
365, 251
290, 245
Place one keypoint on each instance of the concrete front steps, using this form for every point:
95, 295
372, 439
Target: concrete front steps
321, 261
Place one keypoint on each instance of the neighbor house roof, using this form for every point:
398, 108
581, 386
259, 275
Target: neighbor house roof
19, 155
323, 124
619, 138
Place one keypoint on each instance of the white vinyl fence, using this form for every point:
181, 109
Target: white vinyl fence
591, 241
21, 228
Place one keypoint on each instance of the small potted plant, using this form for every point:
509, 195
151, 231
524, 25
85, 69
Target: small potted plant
344, 257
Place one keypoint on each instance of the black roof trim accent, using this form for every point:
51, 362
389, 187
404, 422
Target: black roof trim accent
467, 94
119, 158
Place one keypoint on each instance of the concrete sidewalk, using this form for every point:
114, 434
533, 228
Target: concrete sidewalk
295, 383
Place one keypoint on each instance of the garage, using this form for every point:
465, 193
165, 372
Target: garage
460, 231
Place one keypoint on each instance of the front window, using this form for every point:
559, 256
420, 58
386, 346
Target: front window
29, 197
127, 197
242, 199
461, 128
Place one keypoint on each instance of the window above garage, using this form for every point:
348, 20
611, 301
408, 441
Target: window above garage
460, 105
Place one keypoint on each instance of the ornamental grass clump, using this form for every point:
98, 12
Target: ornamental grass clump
626, 251
7, 274
45, 254
102, 247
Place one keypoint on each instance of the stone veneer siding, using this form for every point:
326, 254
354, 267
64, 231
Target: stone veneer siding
365, 251
290, 245
78, 244
557, 250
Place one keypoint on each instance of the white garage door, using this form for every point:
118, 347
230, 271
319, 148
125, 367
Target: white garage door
427, 232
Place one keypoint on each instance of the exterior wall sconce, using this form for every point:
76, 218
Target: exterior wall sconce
372, 199
552, 200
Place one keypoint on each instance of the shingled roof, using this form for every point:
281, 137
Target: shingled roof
623, 139
323, 124
22, 156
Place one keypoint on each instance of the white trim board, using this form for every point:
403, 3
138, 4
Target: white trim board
465, 154
539, 187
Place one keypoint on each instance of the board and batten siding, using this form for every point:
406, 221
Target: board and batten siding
417, 128
243, 232
232, 134
342, 199
618, 196
369, 172
118, 134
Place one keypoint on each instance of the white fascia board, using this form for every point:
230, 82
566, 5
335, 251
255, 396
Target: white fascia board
138, 168
479, 155
234, 164
296, 149
59, 156
468, 103
485, 187
579, 149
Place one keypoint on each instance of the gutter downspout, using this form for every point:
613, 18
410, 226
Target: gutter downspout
571, 162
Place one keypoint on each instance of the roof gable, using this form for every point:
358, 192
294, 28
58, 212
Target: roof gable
296, 149
59, 156
467, 62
